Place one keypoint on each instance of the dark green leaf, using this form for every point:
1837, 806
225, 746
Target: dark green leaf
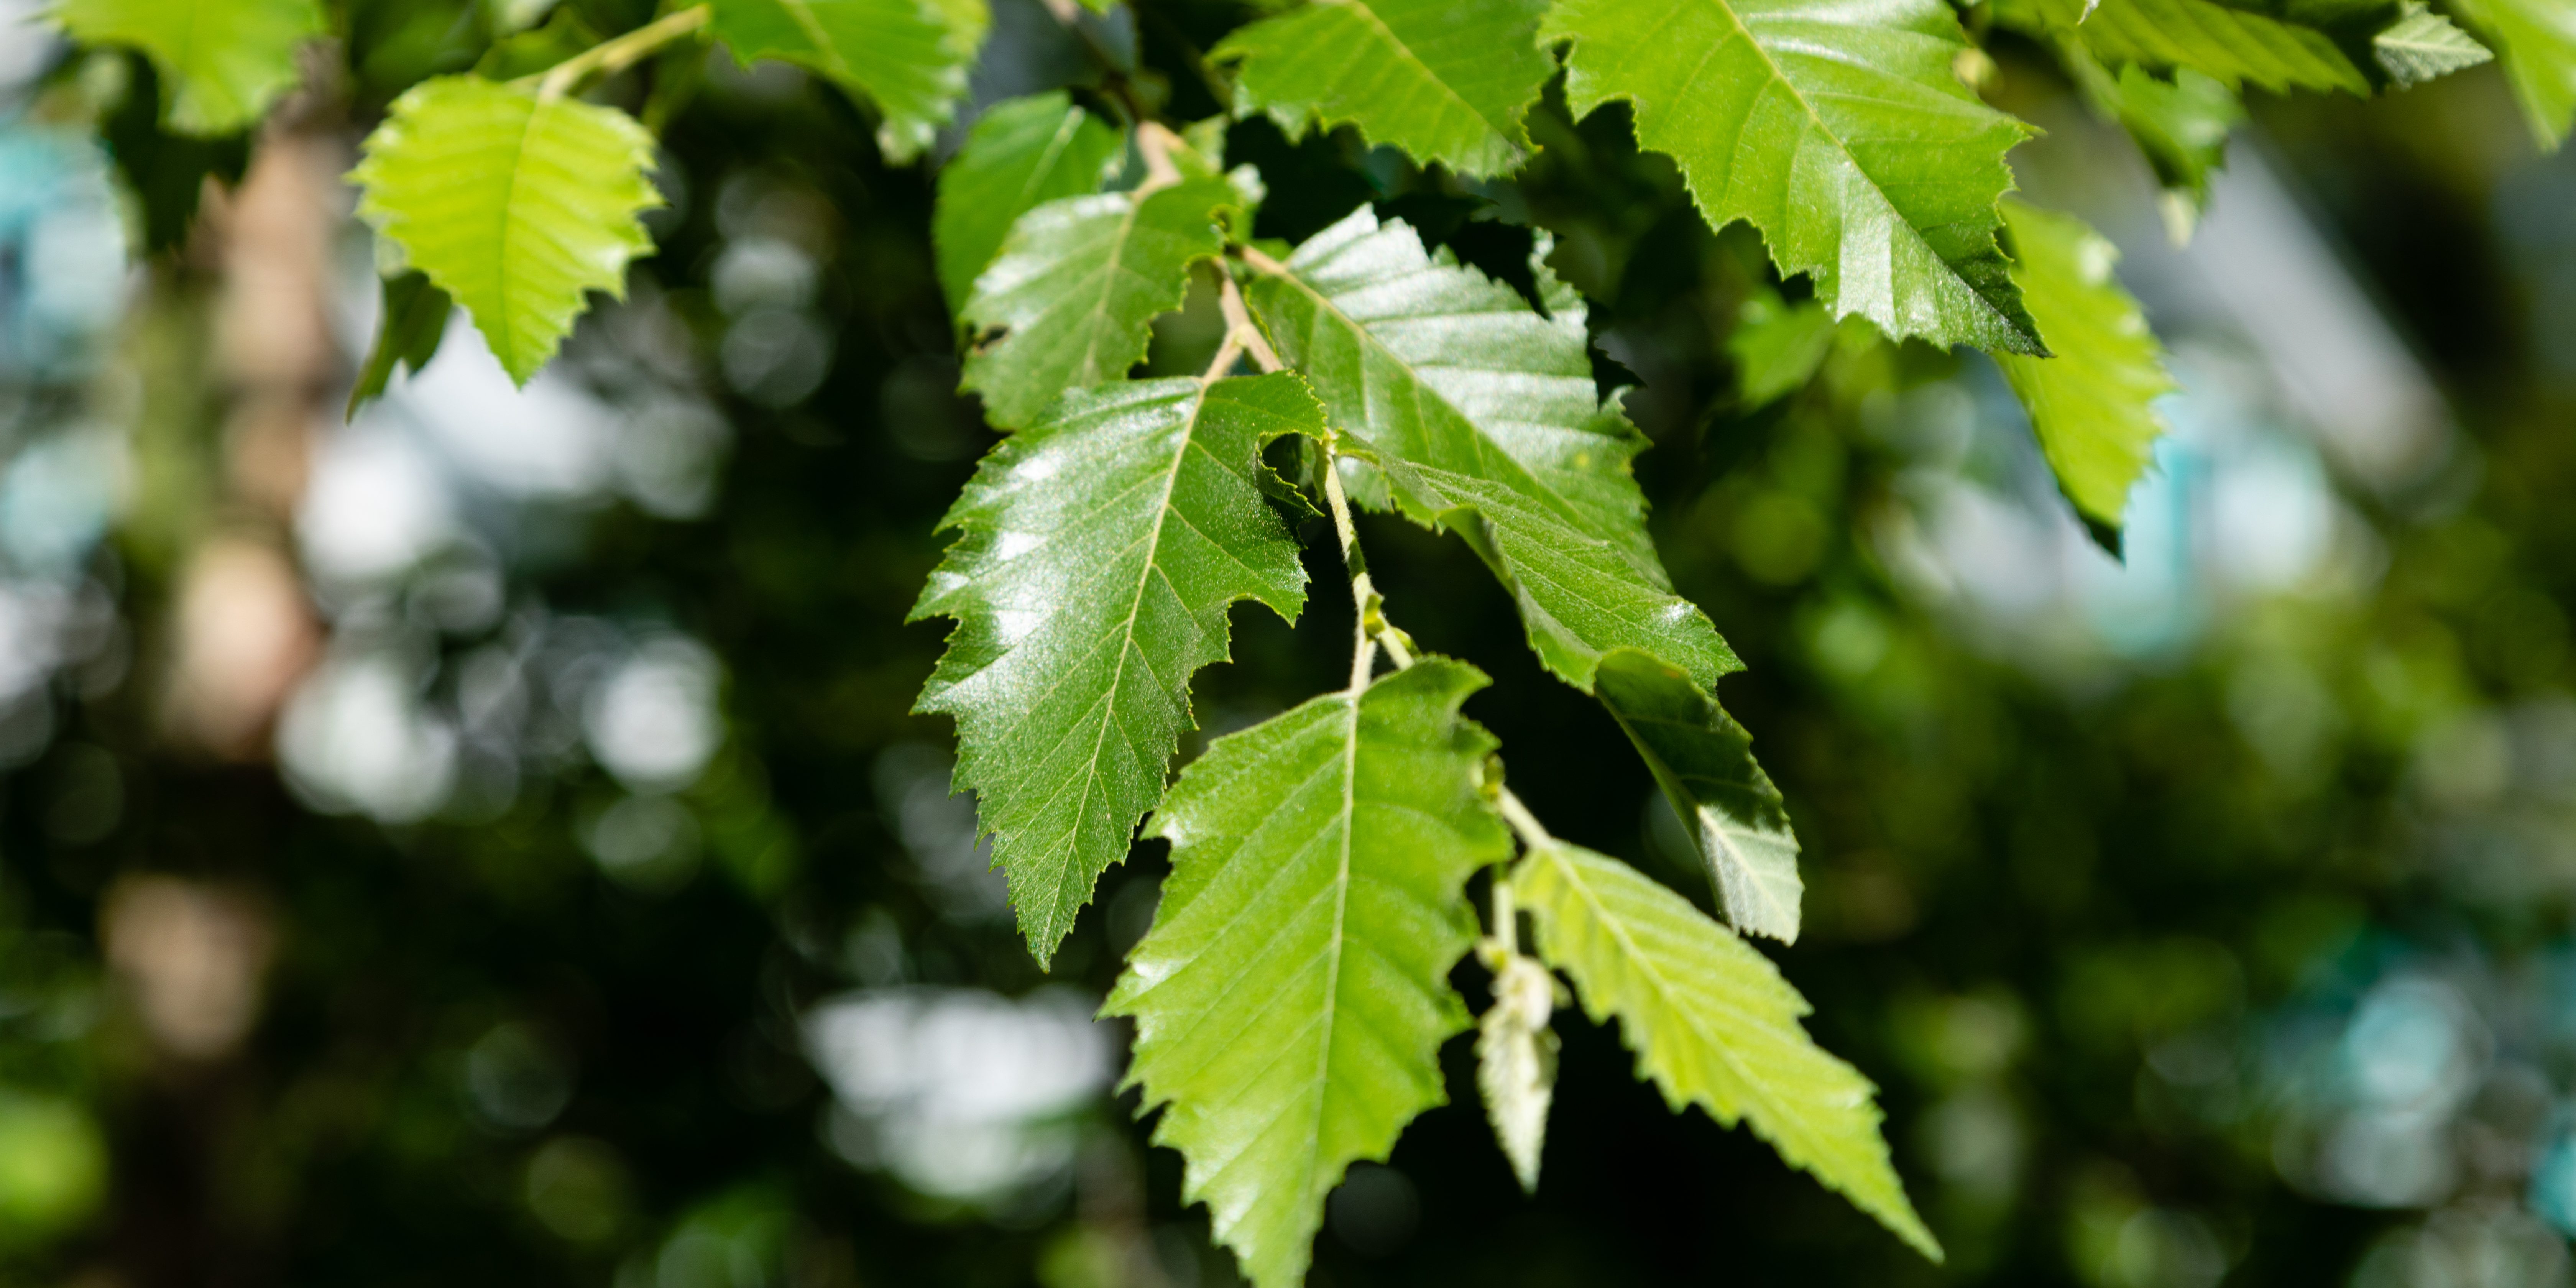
1076, 289
1100, 550
1839, 131
414, 318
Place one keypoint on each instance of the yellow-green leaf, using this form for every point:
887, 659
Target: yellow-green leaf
2093, 405
1445, 80
2538, 39
516, 206
1712, 1023
222, 62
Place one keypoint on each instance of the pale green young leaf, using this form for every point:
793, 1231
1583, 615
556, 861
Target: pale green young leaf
1445, 80
908, 57
2233, 46
517, 207
222, 62
1712, 1023
2422, 45
1100, 551
1840, 131
1076, 288
1483, 415
1022, 153
1704, 762
2093, 405
1291, 999
2538, 40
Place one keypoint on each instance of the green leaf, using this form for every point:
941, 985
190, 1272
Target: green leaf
2093, 405
413, 322
909, 57
1704, 762
1291, 999
1580, 597
1777, 346
1711, 1022
515, 206
1469, 402
1839, 131
222, 62
2422, 45
1101, 549
2538, 39
2233, 46
1077, 287
1023, 152
1445, 80
2180, 125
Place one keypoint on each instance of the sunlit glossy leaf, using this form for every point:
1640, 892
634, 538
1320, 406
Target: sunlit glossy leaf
909, 57
1711, 1022
222, 62
1839, 130
1445, 80
1022, 153
1076, 288
2093, 405
1580, 597
1704, 762
2422, 45
2234, 46
516, 206
2538, 40
1291, 999
1476, 402
1100, 550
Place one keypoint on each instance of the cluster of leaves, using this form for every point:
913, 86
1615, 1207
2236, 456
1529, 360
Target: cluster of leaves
1294, 990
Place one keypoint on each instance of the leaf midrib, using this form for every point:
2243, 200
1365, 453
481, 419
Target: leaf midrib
1369, 12
1127, 633
1341, 920
1486, 448
1799, 96
802, 14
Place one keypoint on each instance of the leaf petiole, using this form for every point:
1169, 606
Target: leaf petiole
617, 54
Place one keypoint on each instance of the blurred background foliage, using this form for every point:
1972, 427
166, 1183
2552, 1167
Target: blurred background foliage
486, 841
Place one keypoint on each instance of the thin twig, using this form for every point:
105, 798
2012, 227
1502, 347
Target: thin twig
1156, 141
610, 57
1533, 835
1228, 352
1260, 263
1238, 321
1363, 594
